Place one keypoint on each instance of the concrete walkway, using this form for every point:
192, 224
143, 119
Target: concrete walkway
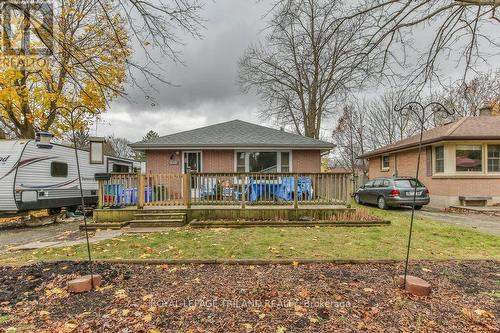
481, 222
56, 235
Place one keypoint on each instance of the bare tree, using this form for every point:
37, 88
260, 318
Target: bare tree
458, 30
310, 58
386, 126
121, 147
468, 98
350, 136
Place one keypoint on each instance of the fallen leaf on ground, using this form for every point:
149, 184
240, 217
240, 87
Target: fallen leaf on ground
281, 329
304, 293
248, 327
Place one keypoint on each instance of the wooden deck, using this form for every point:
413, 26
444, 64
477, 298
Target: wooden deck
249, 207
224, 212
229, 190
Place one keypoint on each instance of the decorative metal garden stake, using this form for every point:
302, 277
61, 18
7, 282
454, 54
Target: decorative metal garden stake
82, 199
422, 118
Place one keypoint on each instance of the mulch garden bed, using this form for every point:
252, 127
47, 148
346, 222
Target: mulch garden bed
243, 298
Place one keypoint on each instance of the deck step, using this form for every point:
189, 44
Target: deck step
175, 221
160, 211
103, 225
148, 224
160, 216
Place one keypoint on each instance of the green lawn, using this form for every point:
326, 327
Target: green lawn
432, 240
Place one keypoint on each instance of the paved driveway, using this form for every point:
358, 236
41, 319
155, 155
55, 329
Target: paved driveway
482, 222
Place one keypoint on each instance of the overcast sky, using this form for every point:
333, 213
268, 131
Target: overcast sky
207, 91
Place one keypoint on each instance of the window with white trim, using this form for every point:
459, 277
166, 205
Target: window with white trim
285, 161
469, 158
263, 161
384, 162
493, 158
240, 162
439, 152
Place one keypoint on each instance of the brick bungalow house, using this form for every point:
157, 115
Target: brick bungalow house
459, 161
233, 146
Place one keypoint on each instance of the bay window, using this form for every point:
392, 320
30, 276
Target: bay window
469, 158
493, 158
439, 151
263, 161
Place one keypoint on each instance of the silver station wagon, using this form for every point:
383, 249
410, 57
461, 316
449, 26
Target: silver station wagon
393, 191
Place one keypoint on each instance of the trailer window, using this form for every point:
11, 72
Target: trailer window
120, 168
59, 169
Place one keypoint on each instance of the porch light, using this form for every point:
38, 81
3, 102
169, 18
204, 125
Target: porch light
43, 140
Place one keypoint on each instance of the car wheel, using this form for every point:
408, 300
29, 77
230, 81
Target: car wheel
418, 207
357, 199
381, 203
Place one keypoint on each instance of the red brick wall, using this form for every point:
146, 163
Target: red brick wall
159, 161
218, 160
306, 161
444, 191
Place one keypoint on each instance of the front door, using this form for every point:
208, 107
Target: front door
192, 161
192, 164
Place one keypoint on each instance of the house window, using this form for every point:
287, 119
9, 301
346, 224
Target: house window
469, 158
120, 168
263, 161
493, 158
385, 162
240, 162
285, 161
439, 159
192, 161
58, 169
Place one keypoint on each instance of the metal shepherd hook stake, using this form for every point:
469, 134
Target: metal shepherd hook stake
422, 118
82, 199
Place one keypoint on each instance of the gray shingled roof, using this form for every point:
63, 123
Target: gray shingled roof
234, 133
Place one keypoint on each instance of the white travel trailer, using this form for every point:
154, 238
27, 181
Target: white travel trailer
37, 174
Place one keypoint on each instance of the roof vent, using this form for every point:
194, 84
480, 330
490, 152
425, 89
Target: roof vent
486, 111
43, 140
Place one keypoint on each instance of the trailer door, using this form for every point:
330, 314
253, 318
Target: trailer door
10, 154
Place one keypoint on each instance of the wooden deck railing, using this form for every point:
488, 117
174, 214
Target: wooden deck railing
242, 189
